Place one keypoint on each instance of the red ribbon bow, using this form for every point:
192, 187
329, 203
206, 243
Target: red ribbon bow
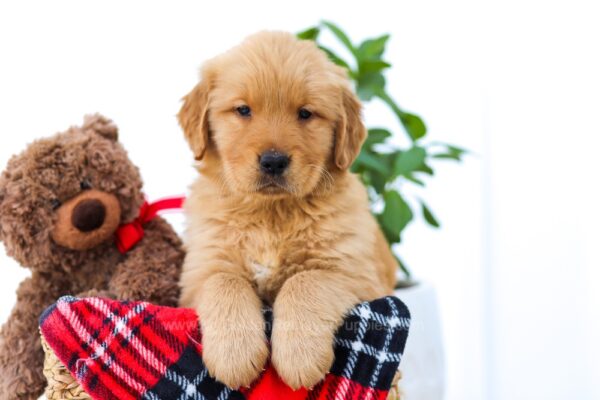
127, 235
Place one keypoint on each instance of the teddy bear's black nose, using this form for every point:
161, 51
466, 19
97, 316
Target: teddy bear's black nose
88, 215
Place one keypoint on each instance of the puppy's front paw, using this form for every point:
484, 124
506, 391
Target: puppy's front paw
235, 358
301, 357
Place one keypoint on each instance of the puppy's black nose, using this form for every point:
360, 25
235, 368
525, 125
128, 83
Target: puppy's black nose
88, 215
273, 162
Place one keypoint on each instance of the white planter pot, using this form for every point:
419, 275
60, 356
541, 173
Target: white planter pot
422, 366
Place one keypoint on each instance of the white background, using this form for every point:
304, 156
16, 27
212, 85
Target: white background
516, 262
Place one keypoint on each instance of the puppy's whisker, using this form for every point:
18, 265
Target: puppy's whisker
326, 181
222, 183
226, 182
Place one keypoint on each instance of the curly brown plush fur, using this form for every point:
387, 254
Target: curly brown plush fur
60, 202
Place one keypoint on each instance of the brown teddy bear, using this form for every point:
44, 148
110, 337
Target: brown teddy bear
61, 201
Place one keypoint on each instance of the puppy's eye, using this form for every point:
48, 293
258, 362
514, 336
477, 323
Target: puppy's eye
304, 114
85, 185
55, 203
244, 111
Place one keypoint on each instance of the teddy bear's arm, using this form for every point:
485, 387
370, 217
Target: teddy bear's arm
96, 293
151, 269
21, 355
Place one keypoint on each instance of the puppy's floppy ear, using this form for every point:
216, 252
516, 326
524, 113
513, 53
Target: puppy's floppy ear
350, 131
193, 118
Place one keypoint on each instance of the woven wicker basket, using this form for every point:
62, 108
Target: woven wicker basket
62, 385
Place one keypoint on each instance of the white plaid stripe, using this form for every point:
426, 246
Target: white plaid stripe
393, 321
383, 354
150, 396
391, 324
224, 394
363, 311
342, 389
369, 350
189, 389
65, 309
121, 322
136, 344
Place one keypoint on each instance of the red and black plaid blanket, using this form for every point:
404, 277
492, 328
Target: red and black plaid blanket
136, 350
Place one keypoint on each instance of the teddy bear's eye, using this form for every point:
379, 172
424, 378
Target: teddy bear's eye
55, 203
85, 185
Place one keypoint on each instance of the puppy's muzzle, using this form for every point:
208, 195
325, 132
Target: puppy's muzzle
273, 163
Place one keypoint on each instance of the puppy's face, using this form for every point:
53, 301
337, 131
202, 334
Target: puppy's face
273, 116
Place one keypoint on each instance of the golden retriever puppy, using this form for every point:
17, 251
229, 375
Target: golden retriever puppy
274, 216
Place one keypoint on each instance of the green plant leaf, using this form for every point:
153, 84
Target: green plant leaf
409, 161
414, 125
372, 161
309, 34
377, 181
389, 236
451, 153
396, 215
403, 267
340, 35
374, 168
445, 156
357, 168
381, 166
369, 66
376, 136
372, 48
369, 85
337, 60
411, 178
426, 169
428, 215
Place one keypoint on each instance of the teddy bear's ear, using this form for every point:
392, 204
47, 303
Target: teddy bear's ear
101, 125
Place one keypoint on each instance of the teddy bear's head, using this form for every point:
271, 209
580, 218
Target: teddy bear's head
65, 196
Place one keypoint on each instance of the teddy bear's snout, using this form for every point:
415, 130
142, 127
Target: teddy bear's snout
87, 220
88, 215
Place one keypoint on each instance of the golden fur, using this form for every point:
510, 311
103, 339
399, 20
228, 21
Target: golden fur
307, 244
